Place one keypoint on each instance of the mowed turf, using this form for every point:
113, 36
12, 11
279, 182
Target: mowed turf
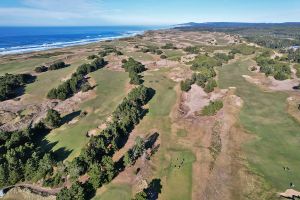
48, 80
264, 114
116, 192
110, 91
24, 66
169, 153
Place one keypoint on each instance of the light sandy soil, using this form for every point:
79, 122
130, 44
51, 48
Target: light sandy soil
271, 83
195, 99
290, 194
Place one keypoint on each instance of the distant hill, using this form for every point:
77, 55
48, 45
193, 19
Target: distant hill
236, 25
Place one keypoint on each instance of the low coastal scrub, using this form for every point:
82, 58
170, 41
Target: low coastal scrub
57, 65
271, 67
205, 73
41, 69
297, 67
192, 50
169, 46
212, 108
243, 49
11, 85
108, 50
77, 82
152, 49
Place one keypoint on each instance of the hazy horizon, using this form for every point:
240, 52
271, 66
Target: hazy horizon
144, 12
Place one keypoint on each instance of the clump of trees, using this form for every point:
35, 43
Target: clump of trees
41, 69
152, 49
108, 50
53, 119
205, 61
271, 67
77, 191
21, 159
163, 56
151, 192
210, 85
212, 108
205, 73
169, 46
224, 58
186, 85
134, 68
92, 57
10, 84
58, 65
243, 49
77, 81
96, 158
134, 153
192, 50
294, 55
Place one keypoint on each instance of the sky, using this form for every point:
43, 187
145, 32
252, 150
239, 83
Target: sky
144, 12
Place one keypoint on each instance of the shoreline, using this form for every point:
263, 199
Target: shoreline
75, 43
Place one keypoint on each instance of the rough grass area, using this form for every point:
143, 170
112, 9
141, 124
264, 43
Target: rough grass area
110, 91
277, 133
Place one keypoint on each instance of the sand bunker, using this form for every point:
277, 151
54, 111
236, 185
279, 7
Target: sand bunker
290, 194
197, 98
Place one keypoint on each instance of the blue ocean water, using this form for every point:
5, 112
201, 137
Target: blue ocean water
27, 39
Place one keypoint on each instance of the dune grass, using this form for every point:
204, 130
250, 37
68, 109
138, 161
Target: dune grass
110, 91
277, 133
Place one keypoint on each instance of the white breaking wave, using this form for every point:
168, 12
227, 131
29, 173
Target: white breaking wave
46, 46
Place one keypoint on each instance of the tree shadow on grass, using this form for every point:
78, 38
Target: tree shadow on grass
69, 117
46, 146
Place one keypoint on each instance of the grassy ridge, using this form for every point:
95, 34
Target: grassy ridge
277, 133
110, 91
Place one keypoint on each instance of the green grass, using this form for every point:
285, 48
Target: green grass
158, 118
173, 54
110, 91
115, 192
49, 80
17, 67
178, 184
140, 56
277, 133
165, 96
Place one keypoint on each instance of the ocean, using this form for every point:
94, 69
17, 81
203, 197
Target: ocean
14, 40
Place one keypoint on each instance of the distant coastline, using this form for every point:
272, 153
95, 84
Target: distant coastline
18, 40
